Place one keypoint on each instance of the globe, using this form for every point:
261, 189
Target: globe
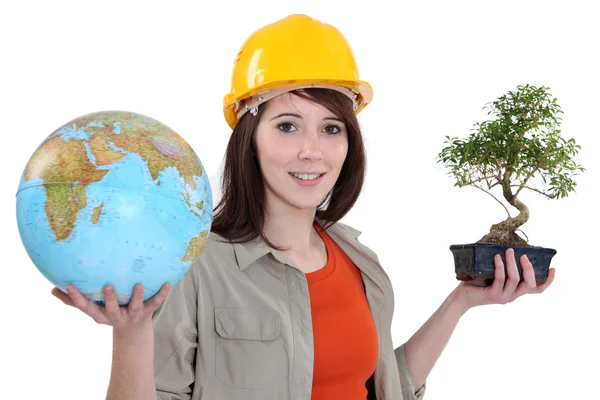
115, 198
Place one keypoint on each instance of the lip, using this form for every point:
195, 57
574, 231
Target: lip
310, 183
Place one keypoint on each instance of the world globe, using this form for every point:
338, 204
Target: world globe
114, 198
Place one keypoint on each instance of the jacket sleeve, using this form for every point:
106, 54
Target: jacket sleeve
176, 340
406, 380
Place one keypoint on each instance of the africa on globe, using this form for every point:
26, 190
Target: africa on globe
114, 198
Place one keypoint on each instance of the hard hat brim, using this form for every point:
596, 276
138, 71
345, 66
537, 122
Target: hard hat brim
232, 102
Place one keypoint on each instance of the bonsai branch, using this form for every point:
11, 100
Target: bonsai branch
495, 198
472, 182
524, 234
532, 189
533, 171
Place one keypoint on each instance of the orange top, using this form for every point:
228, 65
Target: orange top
345, 338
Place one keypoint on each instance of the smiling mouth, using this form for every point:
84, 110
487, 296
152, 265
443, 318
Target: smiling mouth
306, 177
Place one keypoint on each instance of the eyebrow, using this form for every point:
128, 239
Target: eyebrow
300, 117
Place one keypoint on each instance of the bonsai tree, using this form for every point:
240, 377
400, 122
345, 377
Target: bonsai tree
520, 149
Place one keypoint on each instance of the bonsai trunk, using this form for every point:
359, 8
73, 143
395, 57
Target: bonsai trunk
504, 233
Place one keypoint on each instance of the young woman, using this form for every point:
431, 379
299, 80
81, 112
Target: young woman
285, 302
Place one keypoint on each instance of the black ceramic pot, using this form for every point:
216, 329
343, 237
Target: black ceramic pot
476, 260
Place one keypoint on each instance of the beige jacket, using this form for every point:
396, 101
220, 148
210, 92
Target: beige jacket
238, 326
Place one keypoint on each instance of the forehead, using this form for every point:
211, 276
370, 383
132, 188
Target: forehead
289, 102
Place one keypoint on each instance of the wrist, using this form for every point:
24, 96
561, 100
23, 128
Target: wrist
135, 333
457, 303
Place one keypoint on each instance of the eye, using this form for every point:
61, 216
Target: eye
332, 129
286, 127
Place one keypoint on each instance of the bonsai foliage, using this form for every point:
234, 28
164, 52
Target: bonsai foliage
518, 148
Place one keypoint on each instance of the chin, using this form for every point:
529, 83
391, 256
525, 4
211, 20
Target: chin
305, 205
305, 201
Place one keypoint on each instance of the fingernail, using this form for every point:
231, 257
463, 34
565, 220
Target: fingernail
70, 289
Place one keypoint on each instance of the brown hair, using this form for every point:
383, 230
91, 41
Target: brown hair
240, 214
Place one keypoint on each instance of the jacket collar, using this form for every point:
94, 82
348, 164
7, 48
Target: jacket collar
363, 258
344, 231
248, 252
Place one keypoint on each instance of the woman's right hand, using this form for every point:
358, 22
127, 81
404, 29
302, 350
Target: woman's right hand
135, 315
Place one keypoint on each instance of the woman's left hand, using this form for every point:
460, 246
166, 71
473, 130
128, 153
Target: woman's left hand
504, 289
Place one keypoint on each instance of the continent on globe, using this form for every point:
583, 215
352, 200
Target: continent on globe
65, 183
167, 148
195, 247
101, 150
143, 142
108, 191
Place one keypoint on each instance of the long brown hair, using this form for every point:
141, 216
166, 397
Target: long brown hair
240, 214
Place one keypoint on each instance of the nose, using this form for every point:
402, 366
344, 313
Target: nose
311, 146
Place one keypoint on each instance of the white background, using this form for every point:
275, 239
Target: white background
433, 65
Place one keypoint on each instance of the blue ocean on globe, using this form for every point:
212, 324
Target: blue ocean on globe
94, 223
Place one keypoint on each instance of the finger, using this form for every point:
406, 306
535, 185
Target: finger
549, 280
136, 304
499, 276
528, 285
113, 311
85, 304
513, 274
155, 301
59, 294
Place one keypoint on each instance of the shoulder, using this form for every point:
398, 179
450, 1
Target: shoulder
344, 230
378, 270
217, 246
217, 250
351, 234
340, 229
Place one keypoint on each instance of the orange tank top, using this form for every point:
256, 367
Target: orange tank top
345, 338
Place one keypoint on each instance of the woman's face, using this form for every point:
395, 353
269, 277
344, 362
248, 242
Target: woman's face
301, 147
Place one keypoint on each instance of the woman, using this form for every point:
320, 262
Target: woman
285, 302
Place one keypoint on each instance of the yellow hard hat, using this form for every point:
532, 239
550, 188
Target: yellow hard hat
292, 53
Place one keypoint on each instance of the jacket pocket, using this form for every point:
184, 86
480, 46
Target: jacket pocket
247, 351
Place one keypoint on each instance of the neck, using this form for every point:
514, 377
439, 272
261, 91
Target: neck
291, 229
